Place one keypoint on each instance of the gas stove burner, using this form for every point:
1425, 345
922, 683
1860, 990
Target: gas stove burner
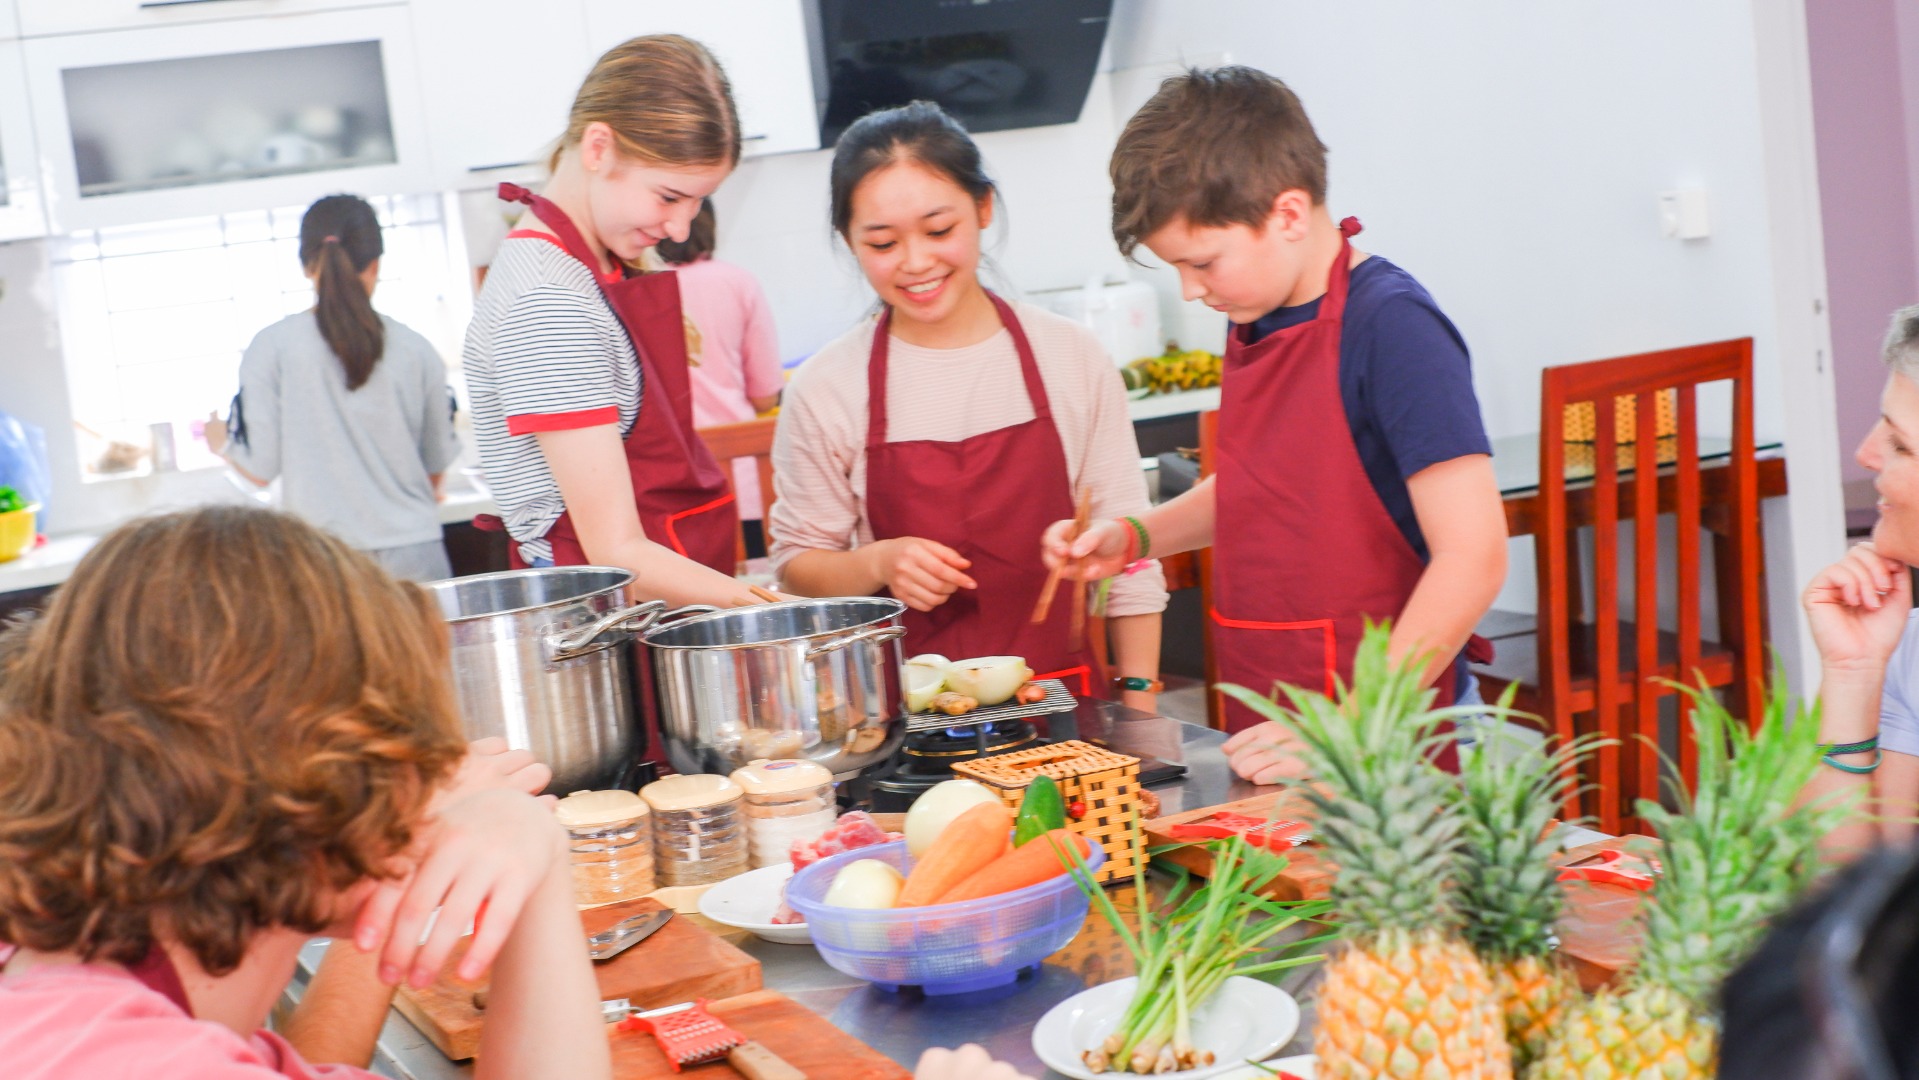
928, 757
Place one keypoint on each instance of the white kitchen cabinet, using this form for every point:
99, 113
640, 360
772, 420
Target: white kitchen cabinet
498, 84
22, 212
43, 17
762, 44
9, 20
248, 114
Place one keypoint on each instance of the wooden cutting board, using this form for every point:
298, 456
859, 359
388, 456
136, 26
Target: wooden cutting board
1599, 931
1307, 872
679, 962
803, 1038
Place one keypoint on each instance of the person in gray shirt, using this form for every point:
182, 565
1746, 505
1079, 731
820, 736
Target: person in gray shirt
346, 407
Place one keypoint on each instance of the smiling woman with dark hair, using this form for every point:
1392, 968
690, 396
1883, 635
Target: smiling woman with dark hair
1861, 614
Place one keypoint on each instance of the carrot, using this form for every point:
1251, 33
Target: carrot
969, 841
1040, 859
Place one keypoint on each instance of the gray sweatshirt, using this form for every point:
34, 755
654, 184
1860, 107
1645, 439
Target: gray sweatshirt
357, 463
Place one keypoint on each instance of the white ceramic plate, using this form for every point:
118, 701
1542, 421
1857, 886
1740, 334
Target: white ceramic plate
1247, 1020
748, 902
1300, 1066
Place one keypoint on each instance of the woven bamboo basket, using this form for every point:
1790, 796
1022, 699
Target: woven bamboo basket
1104, 783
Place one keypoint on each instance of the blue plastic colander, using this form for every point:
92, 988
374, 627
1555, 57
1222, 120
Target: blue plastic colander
944, 948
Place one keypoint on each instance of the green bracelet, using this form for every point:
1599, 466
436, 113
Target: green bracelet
1856, 770
1850, 748
1145, 542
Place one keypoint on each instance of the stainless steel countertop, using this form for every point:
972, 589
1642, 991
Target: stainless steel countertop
904, 1024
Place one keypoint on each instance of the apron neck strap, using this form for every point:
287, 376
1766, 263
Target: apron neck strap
156, 972
877, 361
1334, 305
563, 228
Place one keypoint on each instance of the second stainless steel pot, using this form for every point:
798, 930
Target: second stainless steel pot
818, 679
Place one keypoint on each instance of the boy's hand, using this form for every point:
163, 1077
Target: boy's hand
969, 1062
920, 573
1265, 754
1857, 608
491, 763
1096, 554
477, 861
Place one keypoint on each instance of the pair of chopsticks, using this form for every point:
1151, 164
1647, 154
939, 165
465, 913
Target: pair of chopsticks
1082, 516
765, 596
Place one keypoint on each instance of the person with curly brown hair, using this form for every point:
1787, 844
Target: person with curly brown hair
230, 733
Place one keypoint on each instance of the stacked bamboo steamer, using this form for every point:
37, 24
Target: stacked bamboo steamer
787, 802
699, 833
611, 840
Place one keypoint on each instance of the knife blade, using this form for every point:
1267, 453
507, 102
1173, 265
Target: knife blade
625, 934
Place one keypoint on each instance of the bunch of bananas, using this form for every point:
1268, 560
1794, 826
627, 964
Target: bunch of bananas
1177, 369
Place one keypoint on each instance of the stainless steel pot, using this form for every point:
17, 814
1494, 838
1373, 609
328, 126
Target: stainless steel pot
818, 679
541, 658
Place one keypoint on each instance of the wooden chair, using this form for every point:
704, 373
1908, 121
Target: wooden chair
746, 439
1573, 673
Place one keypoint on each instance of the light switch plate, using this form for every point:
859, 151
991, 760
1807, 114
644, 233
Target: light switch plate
1683, 214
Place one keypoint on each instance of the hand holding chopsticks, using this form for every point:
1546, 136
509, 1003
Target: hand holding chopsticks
1082, 516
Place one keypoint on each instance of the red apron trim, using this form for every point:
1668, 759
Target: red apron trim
530, 423
1083, 672
673, 536
1324, 626
608, 277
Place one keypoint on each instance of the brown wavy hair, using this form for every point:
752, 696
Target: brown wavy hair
224, 718
666, 99
1215, 146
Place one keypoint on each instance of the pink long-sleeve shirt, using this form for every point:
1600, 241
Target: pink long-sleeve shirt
735, 355
819, 452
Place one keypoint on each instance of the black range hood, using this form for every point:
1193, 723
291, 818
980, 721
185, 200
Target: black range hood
993, 64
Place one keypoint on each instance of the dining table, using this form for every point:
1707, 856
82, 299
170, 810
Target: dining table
903, 1024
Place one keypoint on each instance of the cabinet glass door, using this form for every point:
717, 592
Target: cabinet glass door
177, 123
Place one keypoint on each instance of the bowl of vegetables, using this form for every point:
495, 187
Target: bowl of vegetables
970, 912
17, 519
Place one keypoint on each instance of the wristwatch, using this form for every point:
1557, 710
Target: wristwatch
1132, 682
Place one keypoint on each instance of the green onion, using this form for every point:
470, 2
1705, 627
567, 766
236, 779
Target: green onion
1199, 936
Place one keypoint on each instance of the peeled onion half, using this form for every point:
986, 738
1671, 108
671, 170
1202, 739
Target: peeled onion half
923, 684
988, 679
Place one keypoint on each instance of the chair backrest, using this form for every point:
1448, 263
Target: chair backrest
1630, 771
746, 439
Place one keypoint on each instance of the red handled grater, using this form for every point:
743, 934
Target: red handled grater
689, 1035
1259, 832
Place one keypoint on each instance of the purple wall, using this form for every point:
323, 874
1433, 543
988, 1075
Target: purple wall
1861, 114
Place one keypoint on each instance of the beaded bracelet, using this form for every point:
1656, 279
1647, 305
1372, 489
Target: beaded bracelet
1856, 770
1827, 750
1145, 541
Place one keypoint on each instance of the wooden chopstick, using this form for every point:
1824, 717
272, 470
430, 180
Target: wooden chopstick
1081, 519
767, 595
1081, 515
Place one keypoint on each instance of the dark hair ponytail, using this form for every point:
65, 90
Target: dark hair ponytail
339, 238
918, 131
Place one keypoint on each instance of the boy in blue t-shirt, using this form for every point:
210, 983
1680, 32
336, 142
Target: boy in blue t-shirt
1354, 476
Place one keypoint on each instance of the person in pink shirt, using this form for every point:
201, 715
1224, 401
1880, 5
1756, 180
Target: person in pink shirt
230, 733
731, 344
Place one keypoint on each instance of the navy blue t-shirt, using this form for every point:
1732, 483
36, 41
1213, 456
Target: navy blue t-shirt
1406, 382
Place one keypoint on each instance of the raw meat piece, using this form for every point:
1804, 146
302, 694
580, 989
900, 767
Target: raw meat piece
853, 830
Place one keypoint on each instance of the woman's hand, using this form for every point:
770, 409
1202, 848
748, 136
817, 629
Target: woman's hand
919, 573
1857, 608
1096, 554
1265, 754
969, 1062
477, 860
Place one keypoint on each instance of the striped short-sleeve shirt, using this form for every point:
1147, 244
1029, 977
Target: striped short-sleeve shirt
544, 353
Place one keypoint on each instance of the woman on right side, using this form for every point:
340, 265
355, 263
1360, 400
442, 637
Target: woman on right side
1860, 611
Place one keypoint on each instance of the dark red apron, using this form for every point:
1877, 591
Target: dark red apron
1304, 551
683, 496
989, 498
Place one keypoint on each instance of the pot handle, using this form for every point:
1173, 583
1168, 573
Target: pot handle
614, 626
871, 633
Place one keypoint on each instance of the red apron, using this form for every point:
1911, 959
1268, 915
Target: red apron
683, 496
1304, 551
911, 490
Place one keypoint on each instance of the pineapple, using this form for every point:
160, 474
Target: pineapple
1403, 995
1737, 853
1510, 894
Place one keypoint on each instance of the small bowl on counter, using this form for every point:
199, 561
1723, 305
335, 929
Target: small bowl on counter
747, 902
940, 948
